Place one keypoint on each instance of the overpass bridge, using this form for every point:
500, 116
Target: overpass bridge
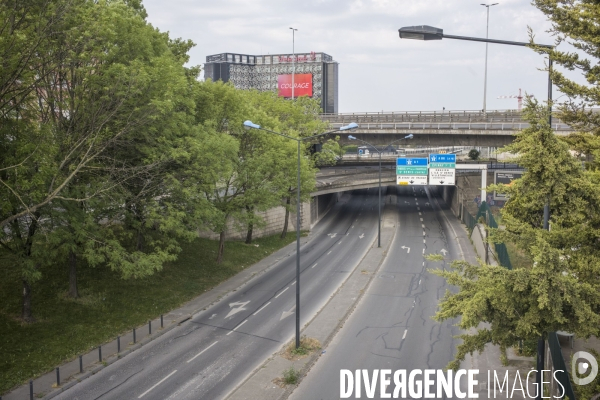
341, 179
440, 128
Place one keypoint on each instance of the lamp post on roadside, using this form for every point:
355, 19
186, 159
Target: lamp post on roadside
293, 58
487, 27
377, 150
425, 32
251, 125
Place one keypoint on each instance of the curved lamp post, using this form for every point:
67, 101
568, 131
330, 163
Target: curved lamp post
251, 125
377, 150
425, 32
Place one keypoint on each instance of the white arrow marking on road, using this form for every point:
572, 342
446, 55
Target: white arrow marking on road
443, 251
236, 308
404, 247
426, 204
332, 235
212, 316
361, 236
286, 314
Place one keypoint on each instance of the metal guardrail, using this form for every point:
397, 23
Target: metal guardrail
498, 126
559, 365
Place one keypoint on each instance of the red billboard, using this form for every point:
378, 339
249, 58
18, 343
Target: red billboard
302, 85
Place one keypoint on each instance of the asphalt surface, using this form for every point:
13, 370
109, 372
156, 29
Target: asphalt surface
207, 356
392, 328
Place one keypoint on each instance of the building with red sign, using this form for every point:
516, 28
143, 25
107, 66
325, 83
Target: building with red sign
316, 74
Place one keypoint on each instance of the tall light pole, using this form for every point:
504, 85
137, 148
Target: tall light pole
377, 150
293, 58
425, 32
487, 27
251, 125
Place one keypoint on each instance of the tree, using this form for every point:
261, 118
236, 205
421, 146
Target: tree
576, 23
473, 154
561, 290
103, 81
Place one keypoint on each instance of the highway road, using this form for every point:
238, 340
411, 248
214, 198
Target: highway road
207, 356
392, 328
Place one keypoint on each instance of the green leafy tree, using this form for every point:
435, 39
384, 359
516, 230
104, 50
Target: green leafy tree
561, 290
108, 83
473, 154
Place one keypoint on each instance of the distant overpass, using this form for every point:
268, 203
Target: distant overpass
341, 179
440, 128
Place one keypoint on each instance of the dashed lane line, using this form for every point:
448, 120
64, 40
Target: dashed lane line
404, 336
329, 252
193, 358
314, 265
260, 309
280, 293
159, 382
234, 329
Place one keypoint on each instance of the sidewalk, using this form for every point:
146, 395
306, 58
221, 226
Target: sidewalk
45, 386
324, 326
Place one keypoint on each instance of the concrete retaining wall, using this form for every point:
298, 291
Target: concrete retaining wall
310, 213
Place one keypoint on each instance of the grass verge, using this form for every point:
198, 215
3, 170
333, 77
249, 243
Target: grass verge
108, 305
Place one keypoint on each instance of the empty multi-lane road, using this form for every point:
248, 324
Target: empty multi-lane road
210, 354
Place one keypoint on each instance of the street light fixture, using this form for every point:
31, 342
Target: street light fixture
377, 150
425, 32
251, 125
487, 27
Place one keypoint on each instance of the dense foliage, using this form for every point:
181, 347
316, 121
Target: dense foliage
113, 152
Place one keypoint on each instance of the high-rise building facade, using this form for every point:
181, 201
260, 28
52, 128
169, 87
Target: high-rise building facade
316, 74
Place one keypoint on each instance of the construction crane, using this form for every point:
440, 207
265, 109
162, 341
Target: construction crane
514, 96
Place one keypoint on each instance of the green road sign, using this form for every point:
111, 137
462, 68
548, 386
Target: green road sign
402, 170
442, 165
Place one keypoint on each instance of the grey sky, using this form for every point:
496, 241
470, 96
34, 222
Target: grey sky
378, 71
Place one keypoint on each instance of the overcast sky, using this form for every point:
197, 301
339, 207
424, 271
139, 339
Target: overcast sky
377, 71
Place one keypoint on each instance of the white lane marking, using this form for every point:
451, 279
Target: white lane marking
161, 381
329, 252
421, 218
407, 249
423, 226
234, 329
419, 208
340, 242
352, 227
293, 283
423, 233
314, 265
361, 236
423, 263
419, 281
423, 240
423, 251
404, 336
192, 359
416, 203
260, 309
280, 293
420, 214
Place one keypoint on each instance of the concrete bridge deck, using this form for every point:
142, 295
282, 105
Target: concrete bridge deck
446, 128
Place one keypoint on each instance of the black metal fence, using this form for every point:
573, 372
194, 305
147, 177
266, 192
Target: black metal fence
559, 365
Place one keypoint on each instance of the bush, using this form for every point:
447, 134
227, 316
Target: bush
474, 154
290, 376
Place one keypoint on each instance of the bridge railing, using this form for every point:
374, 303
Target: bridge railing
498, 126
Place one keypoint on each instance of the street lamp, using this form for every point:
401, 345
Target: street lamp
251, 125
487, 27
293, 58
425, 32
377, 150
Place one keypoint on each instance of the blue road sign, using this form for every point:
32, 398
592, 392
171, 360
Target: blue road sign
360, 152
411, 161
442, 158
